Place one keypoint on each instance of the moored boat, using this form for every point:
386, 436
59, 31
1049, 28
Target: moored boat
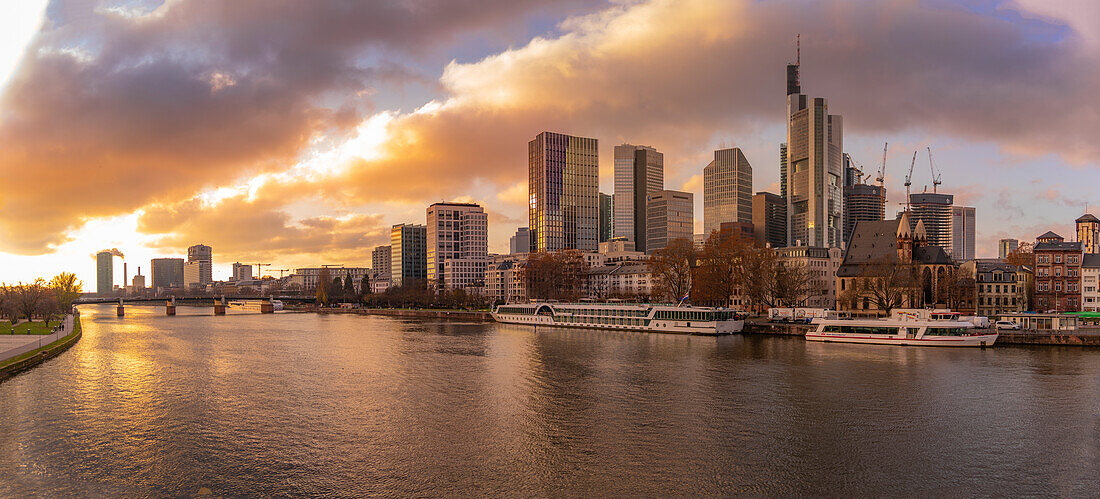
255, 305
626, 317
940, 333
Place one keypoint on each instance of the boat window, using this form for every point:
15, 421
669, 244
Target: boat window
863, 330
946, 331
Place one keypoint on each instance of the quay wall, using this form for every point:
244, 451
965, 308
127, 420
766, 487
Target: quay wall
48, 352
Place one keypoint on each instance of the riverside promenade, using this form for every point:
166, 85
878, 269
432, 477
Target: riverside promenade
15, 345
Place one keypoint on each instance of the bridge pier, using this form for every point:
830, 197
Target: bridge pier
170, 306
219, 307
120, 310
267, 307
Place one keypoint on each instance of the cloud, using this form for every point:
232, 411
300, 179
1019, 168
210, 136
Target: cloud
261, 231
118, 105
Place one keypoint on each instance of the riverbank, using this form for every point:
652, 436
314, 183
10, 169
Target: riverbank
402, 312
26, 360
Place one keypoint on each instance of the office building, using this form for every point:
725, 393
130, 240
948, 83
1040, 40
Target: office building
408, 254
670, 215
727, 189
814, 167
197, 274
605, 217
241, 272
563, 185
166, 273
457, 245
104, 272
1088, 233
962, 233
1090, 282
935, 211
380, 262
617, 245
769, 219
783, 174
1006, 247
520, 242
639, 173
204, 274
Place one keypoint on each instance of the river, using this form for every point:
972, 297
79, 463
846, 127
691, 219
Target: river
306, 404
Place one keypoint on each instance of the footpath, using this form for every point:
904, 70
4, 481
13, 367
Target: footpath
21, 352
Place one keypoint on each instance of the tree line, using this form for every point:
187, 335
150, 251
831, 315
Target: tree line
415, 294
39, 299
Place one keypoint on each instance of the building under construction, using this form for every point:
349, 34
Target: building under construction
862, 202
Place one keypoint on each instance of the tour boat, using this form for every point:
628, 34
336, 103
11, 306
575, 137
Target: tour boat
651, 318
937, 333
255, 305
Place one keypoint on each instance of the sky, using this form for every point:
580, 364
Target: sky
296, 133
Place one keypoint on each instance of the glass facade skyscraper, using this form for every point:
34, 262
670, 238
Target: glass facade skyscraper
727, 190
814, 169
563, 192
639, 173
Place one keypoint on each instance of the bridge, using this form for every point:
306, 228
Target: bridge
264, 305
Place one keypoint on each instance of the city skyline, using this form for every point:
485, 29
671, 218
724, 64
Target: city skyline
424, 127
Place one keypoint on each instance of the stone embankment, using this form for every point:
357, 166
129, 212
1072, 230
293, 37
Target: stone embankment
43, 354
402, 312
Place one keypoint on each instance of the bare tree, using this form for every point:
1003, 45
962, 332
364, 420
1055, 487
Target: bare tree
31, 299
793, 285
887, 284
555, 275
720, 269
671, 269
324, 282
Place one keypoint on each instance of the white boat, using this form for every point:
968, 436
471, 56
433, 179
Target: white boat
937, 333
255, 305
626, 317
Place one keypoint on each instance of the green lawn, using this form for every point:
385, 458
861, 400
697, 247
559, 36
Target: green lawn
37, 327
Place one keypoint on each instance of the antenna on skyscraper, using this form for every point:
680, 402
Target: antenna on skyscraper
798, 49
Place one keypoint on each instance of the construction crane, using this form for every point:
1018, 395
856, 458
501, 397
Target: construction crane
936, 176
881, 178
260, 269
909, 180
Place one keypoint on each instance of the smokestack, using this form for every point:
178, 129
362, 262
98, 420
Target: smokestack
124, 281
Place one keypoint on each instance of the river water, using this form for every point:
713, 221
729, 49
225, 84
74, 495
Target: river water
304, 404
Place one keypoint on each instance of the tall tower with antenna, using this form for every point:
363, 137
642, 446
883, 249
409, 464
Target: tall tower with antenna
815, 166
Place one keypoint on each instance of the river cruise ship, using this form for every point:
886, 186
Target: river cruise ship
937, 333
651, 318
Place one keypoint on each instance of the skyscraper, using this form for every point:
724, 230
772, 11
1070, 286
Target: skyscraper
166, 273
104, 272
199, 269
520, 242
605, 217
408, 254
769, 219
639, 172
727, 189
670, 215
935, 211
563, 185
457, 245
962, 233
1006, 246
862, 202
815, 142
